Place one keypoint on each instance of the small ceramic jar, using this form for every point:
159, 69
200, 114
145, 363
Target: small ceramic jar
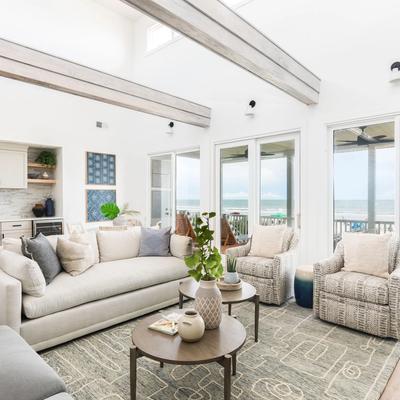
231, 277
191, 326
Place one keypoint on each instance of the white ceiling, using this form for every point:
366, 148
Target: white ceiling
121, 8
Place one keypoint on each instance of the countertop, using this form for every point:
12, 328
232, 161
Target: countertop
16, 219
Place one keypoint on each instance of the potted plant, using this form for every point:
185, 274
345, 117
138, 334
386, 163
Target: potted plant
231, 275
112, 212
47, 157
205, 267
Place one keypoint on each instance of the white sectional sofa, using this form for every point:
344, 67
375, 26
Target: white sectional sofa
108, 293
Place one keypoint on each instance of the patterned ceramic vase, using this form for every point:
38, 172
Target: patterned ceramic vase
208, 303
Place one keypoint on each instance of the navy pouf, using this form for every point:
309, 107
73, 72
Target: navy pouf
303, 286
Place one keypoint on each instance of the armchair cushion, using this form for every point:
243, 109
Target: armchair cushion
367, 253
267, 241
255, 266
357, 286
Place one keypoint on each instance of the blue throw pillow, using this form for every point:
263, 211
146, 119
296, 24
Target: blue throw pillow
39, 249
155, 242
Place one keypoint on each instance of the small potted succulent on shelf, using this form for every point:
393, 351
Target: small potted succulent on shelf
231, 276
205, 267
119, 217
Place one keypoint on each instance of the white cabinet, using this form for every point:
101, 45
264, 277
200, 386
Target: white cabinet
13, 168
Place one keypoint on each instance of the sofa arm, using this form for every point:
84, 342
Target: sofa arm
10, 301
239, 251
325, 267
394, 302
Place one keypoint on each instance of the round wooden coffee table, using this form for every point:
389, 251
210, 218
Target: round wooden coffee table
217, 345
246, 293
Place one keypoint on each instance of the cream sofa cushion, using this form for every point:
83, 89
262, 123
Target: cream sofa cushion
118, 245
267, 241
75, 257
181, 246
367, 253
102, 281
25, 270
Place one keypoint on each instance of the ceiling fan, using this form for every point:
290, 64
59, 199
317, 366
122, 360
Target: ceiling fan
363, 139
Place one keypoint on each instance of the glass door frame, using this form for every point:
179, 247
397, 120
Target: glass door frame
173, 155
254, 159
331, 128
295, 136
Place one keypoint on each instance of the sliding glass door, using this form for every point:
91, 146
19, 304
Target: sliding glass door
175, 190
234, 196
364, 179
258, 183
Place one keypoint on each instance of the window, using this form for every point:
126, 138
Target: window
159, 35
364, 179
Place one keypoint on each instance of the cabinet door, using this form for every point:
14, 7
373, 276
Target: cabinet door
13, 169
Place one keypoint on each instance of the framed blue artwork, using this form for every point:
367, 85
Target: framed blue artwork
100, 169
94, 200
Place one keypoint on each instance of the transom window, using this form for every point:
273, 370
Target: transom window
159, 35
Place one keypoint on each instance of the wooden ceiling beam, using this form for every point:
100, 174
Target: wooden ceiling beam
32, 66
218, 28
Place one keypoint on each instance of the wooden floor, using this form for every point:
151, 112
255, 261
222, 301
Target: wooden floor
392, 389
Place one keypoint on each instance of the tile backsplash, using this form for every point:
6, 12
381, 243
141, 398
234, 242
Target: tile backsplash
19, 202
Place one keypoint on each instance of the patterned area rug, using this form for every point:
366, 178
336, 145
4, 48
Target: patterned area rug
297, 358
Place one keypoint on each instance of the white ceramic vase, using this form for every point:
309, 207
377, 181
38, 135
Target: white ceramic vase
191, 326
121, 220
231, 277
208, 303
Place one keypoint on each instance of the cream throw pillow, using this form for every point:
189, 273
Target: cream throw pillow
367, 253
75, 257
25, 270
118, 245
267, 241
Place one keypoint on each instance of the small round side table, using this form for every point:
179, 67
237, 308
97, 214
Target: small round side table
303, 286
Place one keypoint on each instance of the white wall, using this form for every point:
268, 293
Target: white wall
88, 33
350, 45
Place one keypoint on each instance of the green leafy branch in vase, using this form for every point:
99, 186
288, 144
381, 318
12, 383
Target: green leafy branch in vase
205, 263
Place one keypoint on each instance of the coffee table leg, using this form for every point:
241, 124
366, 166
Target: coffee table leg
256, 316
229, 309
161, 364
227, 376
180, 300
234, 364
133, 360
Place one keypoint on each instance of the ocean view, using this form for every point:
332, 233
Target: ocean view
344, 209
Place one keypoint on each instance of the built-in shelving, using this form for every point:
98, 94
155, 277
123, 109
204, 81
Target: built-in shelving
37, 165
43, 181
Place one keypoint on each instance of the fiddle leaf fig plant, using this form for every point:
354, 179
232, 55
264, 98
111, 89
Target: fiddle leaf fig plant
205, 263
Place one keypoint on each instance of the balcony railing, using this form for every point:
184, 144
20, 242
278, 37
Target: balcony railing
240, 225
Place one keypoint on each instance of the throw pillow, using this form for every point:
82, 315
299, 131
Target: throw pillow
181, 246
39, 249
367, 253
154, 242
75, 257
89, 238
118, 245
25, 270
267, 241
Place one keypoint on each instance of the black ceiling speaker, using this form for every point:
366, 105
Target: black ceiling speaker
252, 103
395, 65
171, 124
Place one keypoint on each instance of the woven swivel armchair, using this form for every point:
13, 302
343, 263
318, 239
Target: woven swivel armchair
272, 277
359, 301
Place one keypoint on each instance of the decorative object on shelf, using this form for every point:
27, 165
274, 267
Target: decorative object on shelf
33, 175
191, 326
227, 287
50, 207
47, 158
94, 200
38, 210
119, 217
101, 169
205, 266
231, 276
45, 175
